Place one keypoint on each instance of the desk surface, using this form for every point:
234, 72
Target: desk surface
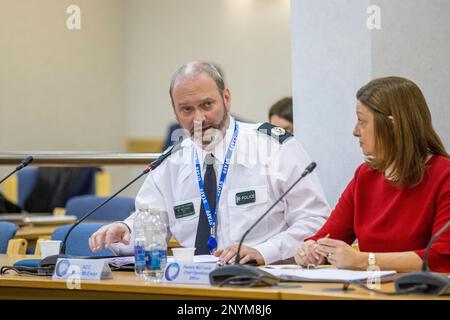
124, 285
41, 219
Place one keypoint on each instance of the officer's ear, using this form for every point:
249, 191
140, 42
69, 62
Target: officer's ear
227, 98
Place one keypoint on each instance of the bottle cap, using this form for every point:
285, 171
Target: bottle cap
143, 207
155, 210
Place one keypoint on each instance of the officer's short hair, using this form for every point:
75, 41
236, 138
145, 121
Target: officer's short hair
193, 69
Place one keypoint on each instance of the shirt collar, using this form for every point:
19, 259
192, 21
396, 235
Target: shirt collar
220, 150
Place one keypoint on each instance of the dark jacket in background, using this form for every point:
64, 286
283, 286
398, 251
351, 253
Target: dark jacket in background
54, 186
7, 206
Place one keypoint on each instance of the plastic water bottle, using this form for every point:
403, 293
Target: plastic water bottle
139, 223
156, 247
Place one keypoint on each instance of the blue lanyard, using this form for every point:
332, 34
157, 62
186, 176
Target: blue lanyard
212, 243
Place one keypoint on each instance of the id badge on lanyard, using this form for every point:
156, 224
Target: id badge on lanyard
212, 216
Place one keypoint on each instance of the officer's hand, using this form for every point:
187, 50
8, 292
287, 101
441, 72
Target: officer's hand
111, 233
247, 254
307, 254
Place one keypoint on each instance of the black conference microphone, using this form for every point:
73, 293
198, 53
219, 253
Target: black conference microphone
426, 282
246, 274
22, 165
49, 262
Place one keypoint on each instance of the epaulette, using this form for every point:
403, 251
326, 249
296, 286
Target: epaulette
275, 132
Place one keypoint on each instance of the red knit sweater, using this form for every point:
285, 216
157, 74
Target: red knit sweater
386, 219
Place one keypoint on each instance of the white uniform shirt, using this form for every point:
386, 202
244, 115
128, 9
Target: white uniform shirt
259, 163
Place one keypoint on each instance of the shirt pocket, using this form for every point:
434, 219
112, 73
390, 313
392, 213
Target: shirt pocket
243, 216
184, 226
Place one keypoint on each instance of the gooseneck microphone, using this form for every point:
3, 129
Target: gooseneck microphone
245, 274
50, 261
22, 165
424, 281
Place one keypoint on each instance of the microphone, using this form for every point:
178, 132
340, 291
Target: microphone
247, 274
22, 165
49, 262
435, 284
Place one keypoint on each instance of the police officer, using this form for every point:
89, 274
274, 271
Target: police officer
224, 176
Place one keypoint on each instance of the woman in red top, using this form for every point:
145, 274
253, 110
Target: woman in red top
399, 198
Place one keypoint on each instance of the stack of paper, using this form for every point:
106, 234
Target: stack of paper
118, 262
289, 273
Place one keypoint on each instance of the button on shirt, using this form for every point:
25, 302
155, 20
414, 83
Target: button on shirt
261, 170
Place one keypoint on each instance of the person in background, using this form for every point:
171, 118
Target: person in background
280, 114
212, 213
399, 198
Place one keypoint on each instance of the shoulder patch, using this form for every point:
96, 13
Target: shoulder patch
275, 132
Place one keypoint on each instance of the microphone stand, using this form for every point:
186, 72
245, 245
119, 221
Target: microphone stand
49, 262
22, 165
247, 273
435, 284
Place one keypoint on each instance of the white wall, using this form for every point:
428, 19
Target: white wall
414, 42
250, 40
61, 89
334, 54
330, 59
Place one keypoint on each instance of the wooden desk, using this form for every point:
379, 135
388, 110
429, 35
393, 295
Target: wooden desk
124, 285
32, 233
35, 232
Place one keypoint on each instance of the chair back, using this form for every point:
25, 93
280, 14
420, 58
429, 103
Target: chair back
78, 241
7, 232
117, 209
27, 180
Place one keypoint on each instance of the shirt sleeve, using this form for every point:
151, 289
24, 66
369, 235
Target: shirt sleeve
439, 256
150, 195
340, 225
305, 206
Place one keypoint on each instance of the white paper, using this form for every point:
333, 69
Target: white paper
191, 273
82, 269
324, 274
50, 219
118, 262
129, 260
205, 258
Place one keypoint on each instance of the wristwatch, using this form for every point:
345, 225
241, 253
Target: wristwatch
371, 260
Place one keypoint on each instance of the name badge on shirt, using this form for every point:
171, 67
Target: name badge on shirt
245, 197
184, 210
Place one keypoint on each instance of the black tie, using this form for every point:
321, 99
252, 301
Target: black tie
210, 187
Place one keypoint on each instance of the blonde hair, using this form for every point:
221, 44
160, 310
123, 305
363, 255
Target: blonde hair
404, 134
